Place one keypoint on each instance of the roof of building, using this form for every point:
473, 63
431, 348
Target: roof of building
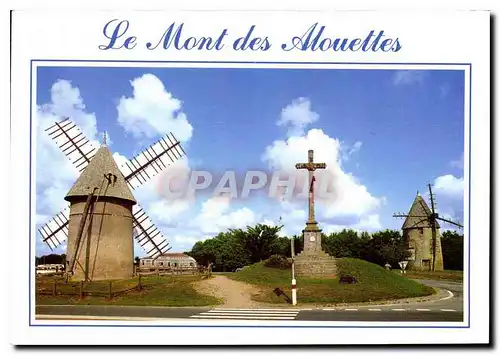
174, 255
96, 175
419, 214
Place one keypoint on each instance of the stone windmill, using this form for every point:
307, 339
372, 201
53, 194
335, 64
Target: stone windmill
103, 216
421, 231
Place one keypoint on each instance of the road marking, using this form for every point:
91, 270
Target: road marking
328, 309
399, 309
241, 317
249, 312
374, 309
254, 309
450, 295
423, 309
448, 310
234, 313
350, 309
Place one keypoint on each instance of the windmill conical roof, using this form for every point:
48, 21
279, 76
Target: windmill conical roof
94, 176
419, 214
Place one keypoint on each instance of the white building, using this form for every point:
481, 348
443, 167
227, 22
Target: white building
168, 260
49, 269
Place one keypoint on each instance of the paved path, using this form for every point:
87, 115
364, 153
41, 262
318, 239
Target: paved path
447, 307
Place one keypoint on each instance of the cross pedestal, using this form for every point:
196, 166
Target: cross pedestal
312, 237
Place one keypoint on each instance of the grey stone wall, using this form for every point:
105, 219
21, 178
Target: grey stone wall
421, 240
111, 252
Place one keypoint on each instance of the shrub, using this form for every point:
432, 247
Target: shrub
278, 262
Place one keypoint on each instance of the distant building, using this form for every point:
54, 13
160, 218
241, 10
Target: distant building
169, 260
417, 231
49, 269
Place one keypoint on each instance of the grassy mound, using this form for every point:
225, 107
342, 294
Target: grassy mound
374, 283
156, 291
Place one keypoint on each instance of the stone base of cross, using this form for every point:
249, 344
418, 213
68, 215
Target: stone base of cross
312, 238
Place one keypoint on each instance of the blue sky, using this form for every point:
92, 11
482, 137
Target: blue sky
396, 131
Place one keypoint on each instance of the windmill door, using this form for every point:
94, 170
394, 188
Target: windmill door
426, 265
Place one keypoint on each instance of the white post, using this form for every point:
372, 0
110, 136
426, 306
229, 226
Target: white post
294, 282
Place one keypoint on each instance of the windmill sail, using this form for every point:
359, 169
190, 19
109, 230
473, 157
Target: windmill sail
72, 142
152, 161
147, 235
55, 232
136, 171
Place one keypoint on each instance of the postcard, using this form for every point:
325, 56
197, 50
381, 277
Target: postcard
250, 177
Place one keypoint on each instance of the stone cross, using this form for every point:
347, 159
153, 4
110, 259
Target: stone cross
311, 166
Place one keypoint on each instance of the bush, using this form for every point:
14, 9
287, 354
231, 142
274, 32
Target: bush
278, 262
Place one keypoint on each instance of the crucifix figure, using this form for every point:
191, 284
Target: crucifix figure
311, 166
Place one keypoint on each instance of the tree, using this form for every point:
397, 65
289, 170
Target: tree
385, 246
282, 246
226, 251
344, 244
237, 247
203, 252
452, 245
51, 259
260, 241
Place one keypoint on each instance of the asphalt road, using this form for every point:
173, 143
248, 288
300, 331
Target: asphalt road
448, 308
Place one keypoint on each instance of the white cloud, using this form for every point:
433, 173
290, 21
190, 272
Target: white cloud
355, 148
184, 242
216, 216
408, 77
54, 173
350, 150
346, 196
297, 116
449, 193
449, 185
152, 110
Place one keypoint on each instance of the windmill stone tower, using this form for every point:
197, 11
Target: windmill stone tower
100, 233
417, 231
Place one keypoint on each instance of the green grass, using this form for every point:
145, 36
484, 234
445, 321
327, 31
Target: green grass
156, 291
374, 283
451, 275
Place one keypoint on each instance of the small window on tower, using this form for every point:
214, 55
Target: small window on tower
421, 230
